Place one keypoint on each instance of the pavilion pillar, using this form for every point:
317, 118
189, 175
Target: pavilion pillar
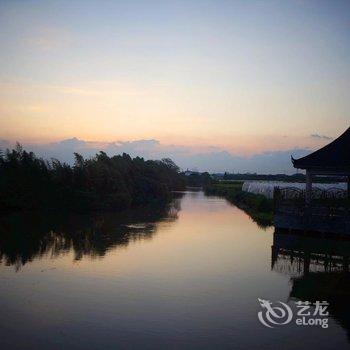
308, 189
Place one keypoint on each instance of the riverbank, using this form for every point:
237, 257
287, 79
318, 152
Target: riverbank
258, 207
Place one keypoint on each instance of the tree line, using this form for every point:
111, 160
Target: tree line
97, 183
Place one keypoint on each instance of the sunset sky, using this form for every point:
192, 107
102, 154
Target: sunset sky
242, 77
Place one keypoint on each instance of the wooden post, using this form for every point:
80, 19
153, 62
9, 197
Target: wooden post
308, 189
306, 263
346, 264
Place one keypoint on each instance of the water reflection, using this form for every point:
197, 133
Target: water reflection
27, 236
319, 270
191, 280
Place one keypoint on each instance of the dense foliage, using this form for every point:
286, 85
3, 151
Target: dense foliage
101, 182
198, 180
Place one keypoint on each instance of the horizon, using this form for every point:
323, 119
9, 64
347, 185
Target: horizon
247, 81
212, 160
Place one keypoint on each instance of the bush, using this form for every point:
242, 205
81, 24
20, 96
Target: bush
101, 182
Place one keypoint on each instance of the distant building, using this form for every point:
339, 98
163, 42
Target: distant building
190, 172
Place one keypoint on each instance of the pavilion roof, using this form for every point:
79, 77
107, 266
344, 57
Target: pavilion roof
334, 157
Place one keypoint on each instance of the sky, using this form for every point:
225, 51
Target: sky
217, 85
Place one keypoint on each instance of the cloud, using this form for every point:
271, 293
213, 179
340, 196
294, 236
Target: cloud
212, 159
4, 144
323, 137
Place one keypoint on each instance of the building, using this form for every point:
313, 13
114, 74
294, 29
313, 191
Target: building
316, 210
331, 160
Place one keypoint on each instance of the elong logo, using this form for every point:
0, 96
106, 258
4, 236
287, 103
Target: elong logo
274, 315
279, 313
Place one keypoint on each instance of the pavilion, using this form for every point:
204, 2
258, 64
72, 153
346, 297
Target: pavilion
331, 160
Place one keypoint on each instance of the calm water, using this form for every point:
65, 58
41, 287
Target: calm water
185, 277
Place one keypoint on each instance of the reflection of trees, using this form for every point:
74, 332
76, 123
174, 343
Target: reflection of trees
27, 236
319, 270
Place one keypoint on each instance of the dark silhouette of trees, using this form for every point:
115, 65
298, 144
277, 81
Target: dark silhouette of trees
198, 179
98, 183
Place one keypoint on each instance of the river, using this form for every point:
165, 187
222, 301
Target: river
185, 277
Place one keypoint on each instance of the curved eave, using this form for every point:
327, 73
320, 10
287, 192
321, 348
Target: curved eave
322, 170
298, 163
333, 157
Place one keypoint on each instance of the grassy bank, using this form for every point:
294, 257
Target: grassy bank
258, 207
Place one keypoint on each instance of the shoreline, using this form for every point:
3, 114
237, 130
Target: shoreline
258, 207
